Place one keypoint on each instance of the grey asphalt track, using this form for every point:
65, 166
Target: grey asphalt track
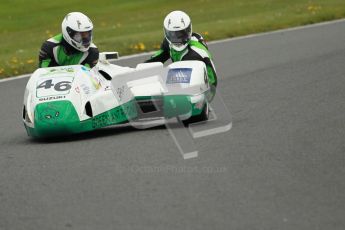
281, 166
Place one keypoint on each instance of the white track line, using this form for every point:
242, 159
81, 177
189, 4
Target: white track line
214, 42
278, 31
15, 78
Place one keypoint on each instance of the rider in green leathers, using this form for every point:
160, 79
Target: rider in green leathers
180, 44
73, 46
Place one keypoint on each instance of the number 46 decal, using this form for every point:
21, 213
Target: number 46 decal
60, 86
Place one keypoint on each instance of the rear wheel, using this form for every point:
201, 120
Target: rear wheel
203, 116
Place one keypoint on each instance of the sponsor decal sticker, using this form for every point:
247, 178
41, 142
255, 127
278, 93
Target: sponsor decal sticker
117, 115
77, 89
53, 86
120, 91
86, 89
84, 68
179, 75
52, 98
58, 70
50, 115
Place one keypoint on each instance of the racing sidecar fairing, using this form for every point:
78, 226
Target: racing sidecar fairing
74, 99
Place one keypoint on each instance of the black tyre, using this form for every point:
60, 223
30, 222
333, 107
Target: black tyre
203, 116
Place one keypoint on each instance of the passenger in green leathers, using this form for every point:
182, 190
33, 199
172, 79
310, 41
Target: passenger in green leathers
73, 46
181, 44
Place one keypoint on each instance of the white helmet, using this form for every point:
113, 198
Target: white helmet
77, 30
178, 30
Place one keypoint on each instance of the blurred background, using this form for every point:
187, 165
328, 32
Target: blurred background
136, 26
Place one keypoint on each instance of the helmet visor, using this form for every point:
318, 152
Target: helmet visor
83, 38
179, 37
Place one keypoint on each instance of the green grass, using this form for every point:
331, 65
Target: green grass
134, 26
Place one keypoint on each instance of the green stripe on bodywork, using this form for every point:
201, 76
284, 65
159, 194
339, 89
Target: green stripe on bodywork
60, 117
114, 116
56, 118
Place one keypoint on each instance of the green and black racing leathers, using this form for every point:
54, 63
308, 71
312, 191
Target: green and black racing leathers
57, 52
196, 50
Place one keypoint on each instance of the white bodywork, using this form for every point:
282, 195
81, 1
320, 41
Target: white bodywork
107, 86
